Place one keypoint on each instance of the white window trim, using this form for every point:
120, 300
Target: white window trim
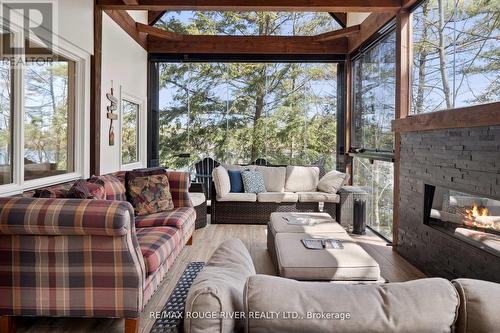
81, 126
141, 131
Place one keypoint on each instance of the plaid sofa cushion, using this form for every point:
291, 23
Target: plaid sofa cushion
179, 187
114, 184
157, 244
179, 218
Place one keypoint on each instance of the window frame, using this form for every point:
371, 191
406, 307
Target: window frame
81, 121
141, 129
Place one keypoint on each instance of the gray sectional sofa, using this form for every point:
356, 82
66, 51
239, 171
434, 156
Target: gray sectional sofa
238, 300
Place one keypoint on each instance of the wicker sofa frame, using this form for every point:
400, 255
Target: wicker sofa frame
240, 212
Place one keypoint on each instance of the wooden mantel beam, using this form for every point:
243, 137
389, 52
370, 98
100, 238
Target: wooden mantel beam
245, 45
258, 5
337, 33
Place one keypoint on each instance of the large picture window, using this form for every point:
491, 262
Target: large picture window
48, 118
5, 121
455, 54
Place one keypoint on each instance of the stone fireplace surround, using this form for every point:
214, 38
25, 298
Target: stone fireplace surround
465, 159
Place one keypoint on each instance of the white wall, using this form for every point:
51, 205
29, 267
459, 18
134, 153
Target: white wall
125, 63
76, 23
356, 18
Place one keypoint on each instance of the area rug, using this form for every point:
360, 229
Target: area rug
170, 319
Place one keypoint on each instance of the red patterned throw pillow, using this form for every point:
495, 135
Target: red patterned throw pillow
83, 189
150, 194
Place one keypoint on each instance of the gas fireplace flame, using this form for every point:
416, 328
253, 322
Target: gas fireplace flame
476, 211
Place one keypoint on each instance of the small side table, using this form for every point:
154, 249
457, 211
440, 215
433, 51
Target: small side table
345, 214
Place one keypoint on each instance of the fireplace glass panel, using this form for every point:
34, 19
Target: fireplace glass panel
469, 217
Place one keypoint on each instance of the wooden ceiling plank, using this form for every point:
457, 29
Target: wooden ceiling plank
259, 5
131, 2
152, 31
246, 45
337, 33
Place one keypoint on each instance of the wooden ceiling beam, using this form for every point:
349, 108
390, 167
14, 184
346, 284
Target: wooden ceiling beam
337, 33
154, 16
128, 24
152, 31
341, 18
341, 6
131, 2
373, 23
246, 45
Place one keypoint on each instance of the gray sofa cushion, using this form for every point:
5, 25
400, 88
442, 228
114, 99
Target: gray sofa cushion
427, 305
219, 288
479, 301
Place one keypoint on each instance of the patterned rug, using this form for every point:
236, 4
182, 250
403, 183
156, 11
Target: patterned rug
171, 318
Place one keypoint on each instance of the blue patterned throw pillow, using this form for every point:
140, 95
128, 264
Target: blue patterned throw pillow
253, 181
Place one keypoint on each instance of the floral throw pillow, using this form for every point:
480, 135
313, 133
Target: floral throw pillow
150, 194
253, 182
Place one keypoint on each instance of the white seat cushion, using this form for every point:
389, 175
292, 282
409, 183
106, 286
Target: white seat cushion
318, 197
277, 197
332, 181
301, 179
274, 178
197, 198
321, 223
246, 197
221, 181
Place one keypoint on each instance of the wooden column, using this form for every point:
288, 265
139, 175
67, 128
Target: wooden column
95, 95
403, 92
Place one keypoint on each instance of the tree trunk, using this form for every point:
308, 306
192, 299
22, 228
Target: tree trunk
422, 61
442, 56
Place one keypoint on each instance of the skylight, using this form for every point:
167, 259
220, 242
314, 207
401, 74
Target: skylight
247, 23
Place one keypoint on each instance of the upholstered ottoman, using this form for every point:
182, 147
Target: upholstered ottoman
321, 224
295, 261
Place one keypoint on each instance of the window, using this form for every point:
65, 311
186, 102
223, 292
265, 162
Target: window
239, 112
377, 178
42, 114
48, 118
455, 54
6, 101
374, 99
129, 132
247, 23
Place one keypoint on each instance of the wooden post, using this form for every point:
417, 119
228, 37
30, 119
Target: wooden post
95, 95
403, 91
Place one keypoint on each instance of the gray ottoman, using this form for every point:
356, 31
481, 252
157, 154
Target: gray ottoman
322, 224
352, 263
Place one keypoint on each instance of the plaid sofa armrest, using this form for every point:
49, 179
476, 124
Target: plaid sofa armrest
179, 187
70, 258
37, 216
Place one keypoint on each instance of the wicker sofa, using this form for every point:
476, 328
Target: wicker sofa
288, 189
88, 258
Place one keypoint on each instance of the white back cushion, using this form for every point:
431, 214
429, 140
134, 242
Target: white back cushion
274, 178
332, 181
221, 181
301, 179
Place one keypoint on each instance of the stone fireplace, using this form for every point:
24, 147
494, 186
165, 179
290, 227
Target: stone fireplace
449, 214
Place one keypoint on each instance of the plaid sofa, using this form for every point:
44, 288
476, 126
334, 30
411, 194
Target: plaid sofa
88, 258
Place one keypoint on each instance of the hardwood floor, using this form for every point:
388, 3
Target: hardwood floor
393, 267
